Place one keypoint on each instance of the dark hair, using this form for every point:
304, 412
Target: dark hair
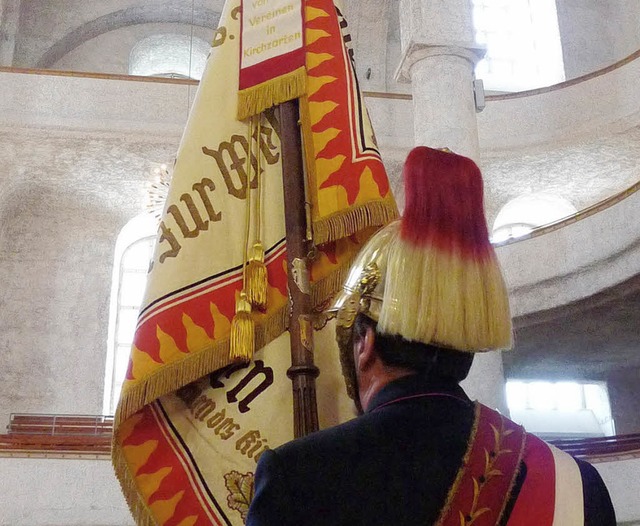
395, 351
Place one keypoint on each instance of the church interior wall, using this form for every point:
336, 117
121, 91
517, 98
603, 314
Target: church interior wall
61, 492
76, 154
72, 193
49, 30
110, 52
625, 404
367, 30
569, 272
596, 34
626, 15
587, 42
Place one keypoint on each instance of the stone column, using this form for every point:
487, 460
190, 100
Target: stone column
439, 55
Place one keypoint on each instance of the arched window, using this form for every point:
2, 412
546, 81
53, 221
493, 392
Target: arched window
526, 212
133, 252
169, 55
523, 44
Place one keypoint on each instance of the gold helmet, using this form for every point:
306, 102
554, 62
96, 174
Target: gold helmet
433, 276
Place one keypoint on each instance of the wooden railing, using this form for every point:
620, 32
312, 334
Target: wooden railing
578, 216
371, 94
601, 448
77, 434
91, 435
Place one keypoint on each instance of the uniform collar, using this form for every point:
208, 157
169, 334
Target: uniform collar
415, 385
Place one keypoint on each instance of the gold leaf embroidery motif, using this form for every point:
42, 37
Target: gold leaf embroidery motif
489, 472
240, 489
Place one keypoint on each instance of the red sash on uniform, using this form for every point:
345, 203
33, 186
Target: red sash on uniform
481, 489
551, 494
552, 491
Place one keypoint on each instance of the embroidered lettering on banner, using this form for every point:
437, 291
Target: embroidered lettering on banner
219, 419
195, 211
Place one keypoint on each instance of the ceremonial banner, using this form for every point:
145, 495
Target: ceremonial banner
350, 189
192, 421
271, 54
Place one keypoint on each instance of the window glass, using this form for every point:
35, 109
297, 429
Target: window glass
169, 55
561, 409
526, 212
134, 250
523, 45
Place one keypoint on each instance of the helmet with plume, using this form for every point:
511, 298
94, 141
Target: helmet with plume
432, 276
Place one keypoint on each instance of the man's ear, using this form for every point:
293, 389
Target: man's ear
365, 350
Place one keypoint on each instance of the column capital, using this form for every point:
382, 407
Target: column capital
417, 51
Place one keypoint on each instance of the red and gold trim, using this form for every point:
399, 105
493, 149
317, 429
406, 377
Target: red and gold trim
349, 186
484, 483
159, 479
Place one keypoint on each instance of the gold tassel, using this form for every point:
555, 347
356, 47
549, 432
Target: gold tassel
257, 277
242, 343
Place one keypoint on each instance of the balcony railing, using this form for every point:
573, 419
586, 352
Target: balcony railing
83, 435
59, 434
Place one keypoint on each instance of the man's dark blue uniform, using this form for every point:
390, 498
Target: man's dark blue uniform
424, 295
392, 465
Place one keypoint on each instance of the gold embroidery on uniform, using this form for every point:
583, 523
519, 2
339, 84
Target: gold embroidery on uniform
489, 472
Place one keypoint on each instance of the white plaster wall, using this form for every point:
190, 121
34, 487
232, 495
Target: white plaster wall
368, 29
587, 35
64, 195
61, 492
584, 171
94, 104
626, 20
604, 104
596, 34
579, 260
9, 16
621, 478
110, 52
43, 23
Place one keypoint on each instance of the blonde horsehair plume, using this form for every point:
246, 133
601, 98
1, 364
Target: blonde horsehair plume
443, 283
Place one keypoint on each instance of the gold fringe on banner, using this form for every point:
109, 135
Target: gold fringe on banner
347, 223
194, 366
255, 100
137, 505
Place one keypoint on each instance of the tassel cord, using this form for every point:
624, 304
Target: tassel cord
247, 217
258, 224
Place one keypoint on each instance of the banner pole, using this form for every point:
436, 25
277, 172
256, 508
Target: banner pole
302, 372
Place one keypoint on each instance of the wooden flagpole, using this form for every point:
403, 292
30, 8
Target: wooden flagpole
302, 372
